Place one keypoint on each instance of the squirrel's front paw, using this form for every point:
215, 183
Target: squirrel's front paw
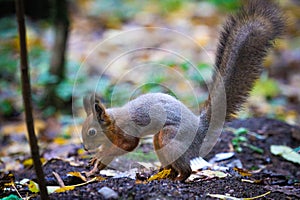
93, 161
89, 173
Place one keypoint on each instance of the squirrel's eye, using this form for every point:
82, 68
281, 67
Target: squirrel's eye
92, 132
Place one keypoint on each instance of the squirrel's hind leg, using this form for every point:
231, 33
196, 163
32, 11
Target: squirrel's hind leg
168, 156
158, 144
183, 168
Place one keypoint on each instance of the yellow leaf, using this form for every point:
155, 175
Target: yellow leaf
100, 178
7, 180
81, 151
160, 175
139, 182
33, 187
29, 162
77, 174
71, 187
66, 188
60, 141
242, 172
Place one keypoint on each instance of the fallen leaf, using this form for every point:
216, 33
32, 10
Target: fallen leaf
207, 174
222, 156
199, 163
242, 172
100, 178
77, 174
63, 189
160, 175
11, 197
213, 174
285, 152
33, 187
60, 141
29, 162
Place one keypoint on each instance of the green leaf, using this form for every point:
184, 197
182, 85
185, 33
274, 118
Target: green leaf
255, 148
240, 131
285, 152
238, 149
11, 197
242, 139
235, 141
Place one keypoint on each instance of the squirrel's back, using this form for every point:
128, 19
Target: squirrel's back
163, 107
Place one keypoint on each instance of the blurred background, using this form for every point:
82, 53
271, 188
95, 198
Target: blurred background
121, 49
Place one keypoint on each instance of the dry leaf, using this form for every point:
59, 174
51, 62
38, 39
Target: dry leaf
160, 175
242, 172
77, 174
63, 189
33, 187
285, 152
29, 162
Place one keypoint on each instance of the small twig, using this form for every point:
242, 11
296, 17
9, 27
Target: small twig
59, 180
13, 185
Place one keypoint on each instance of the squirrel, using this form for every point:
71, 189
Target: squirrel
178, 132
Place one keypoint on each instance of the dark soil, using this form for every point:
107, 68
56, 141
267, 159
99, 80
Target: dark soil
279, 176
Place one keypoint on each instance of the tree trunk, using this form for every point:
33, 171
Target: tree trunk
57, 62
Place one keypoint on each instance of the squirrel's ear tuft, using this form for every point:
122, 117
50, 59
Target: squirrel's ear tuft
87, 106
98, 110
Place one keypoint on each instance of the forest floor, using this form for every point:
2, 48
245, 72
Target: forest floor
114, 58
255, 174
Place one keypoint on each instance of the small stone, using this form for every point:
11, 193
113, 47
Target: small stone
231, 191
108, 193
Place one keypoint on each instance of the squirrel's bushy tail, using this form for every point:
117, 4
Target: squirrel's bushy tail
244, 42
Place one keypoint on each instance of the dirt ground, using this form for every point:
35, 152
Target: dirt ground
278, 175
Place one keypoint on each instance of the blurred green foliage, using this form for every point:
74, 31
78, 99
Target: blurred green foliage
139, 155
240, 140
227, 5
126, 9
39, 58
8, 65
118, 93
266, 87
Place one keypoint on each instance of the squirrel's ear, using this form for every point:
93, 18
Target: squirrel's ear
87, 106
98, 110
